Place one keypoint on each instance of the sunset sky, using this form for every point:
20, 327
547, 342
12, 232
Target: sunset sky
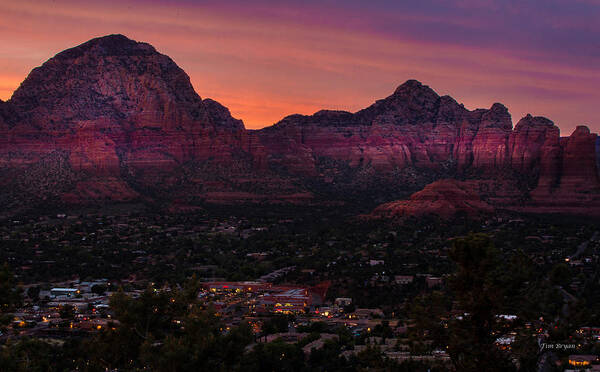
268, 59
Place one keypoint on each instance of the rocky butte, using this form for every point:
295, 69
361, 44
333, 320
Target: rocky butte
113, 120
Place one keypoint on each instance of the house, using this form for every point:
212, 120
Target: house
590, 331
433, 281
403, 279
69, 292
287, 300
236, 286
367, 313
343, 301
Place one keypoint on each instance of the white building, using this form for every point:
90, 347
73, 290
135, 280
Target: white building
69, 292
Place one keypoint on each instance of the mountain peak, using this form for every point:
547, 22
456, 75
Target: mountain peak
109, 45
414, 95
412, 102
413, 86
530, 121
499, 108
582, 130
115, 78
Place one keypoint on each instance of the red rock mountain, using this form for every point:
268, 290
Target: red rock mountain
444, 198
414, 127
111, 113
114, 120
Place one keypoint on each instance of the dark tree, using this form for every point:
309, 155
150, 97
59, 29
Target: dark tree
33, 293
67, 312
560, 274
480, 295
10, 294
98, 289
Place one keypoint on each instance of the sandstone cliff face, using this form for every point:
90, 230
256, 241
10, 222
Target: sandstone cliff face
416, 127
526, 141
490, 145
413, 126
130, 91
550, 162
579, 172
568, 179
113, 119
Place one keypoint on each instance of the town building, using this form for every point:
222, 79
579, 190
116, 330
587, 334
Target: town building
69, 292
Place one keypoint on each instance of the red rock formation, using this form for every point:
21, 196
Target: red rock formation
121, 121
526, 141
550, 162
569, 181
412, 127
104, 189
119, 79
579, 172
490, 145
115, 105
443, 198
568, 177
